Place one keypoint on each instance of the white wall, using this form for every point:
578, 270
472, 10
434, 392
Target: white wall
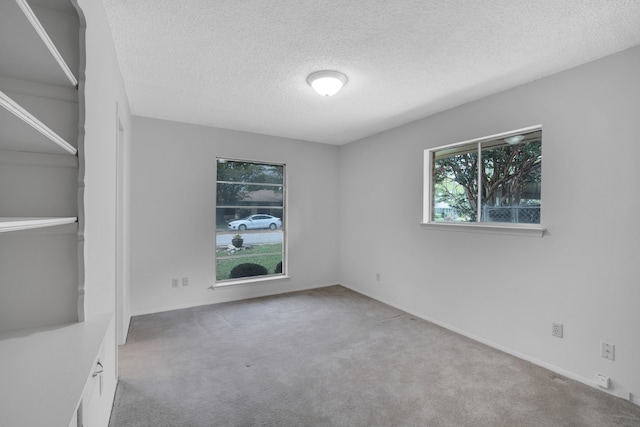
507, 290
173, 177
104, 95
104, 98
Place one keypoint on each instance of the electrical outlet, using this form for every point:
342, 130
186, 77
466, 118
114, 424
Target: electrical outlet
602, 380
185, 281
174, 282
556, 330
607, 350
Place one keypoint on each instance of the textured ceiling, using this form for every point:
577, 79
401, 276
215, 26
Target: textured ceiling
243, 64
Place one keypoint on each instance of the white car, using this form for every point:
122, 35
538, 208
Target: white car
253, 222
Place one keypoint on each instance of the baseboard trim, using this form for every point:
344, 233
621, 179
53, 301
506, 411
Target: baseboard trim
222, 298
622, 394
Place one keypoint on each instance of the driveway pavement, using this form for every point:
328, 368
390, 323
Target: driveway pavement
251, 238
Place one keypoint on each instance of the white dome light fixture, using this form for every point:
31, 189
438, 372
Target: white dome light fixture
326, 82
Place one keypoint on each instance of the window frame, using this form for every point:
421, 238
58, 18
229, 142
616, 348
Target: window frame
536, 230
284, 275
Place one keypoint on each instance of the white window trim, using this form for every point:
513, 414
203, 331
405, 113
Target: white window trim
250, 281
536, 230
494, 228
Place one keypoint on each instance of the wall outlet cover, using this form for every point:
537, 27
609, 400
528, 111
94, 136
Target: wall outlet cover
602, 380
556, 330
608, 351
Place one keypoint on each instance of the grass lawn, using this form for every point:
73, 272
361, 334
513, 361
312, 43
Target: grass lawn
267, 256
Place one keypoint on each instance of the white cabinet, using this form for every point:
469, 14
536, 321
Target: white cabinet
47, 374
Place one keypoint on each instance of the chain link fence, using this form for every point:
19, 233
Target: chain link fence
514, 214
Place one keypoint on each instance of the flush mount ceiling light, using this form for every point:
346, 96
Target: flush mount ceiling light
327, 83
514, 139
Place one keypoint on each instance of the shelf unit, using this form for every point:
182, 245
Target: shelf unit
39, 132
47, 351
35, 72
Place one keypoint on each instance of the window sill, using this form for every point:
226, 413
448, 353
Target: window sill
530, 230
231, 283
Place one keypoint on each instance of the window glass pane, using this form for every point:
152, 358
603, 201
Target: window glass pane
242, 218
238, 171
511, 180
249, 195
257, 254
455, 185
250, 211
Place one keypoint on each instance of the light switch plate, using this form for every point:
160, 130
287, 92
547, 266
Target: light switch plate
608, 351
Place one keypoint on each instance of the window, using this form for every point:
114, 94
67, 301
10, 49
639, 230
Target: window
250, 220
495, 180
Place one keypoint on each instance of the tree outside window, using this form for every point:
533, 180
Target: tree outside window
493, 180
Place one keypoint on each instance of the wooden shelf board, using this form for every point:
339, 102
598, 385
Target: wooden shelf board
28, 223
44, 371
26, 50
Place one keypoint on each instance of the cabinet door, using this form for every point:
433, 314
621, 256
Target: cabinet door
91, 413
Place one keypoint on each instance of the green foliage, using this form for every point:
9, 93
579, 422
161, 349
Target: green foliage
278, 269
225, 265
247, 269
272, 248
507, 171
241, 178
456, 184
234, 171
267, 256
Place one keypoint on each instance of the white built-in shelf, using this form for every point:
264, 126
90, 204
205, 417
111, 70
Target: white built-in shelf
44, 371
26, 49
28, 133
17, 223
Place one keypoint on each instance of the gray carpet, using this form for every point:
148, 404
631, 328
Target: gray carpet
332, 357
